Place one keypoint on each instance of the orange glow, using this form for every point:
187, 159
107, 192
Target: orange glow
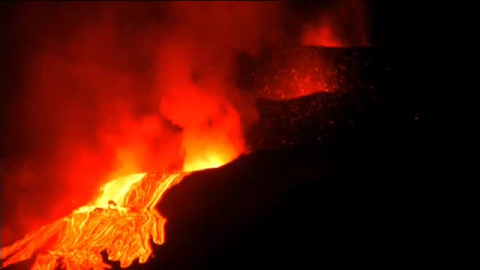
122, 221
114, 88
213, 146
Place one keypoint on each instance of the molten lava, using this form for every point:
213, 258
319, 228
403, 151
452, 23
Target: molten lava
121, 221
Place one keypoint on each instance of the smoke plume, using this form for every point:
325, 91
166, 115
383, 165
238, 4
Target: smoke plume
105, 89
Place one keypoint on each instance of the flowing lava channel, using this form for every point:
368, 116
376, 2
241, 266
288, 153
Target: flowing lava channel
122, 221
192, 120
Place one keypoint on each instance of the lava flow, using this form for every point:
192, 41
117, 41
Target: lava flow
122, 221
109, 89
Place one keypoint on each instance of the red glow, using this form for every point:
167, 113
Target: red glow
342, 25
322, 35
114, 88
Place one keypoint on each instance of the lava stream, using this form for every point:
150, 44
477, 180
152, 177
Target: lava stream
121, 221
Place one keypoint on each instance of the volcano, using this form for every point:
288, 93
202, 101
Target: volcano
329, 201
351, 160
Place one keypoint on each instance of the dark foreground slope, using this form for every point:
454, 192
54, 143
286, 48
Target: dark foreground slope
303, 207
376, 176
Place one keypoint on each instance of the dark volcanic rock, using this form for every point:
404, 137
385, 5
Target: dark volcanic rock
223, 215
308, 206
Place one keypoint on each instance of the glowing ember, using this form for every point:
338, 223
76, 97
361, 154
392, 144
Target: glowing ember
121, 221
298, 72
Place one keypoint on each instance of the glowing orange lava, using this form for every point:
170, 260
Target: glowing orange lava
177, 115
121, 221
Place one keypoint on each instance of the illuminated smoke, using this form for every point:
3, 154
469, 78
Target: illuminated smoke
114, 88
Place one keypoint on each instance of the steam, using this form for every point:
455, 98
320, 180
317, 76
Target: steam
198, 59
